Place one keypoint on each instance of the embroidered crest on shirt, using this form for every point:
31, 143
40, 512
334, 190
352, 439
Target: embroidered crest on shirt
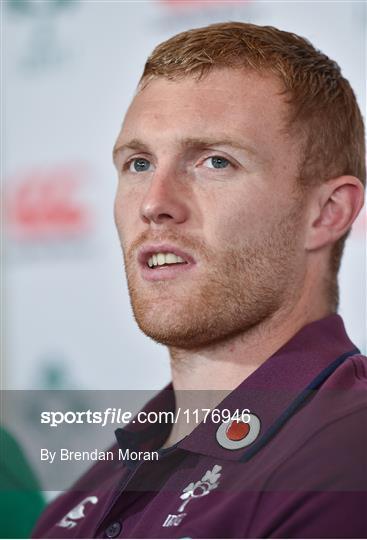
70, 520
194, 490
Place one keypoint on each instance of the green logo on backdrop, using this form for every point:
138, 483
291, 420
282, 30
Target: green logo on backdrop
42, 48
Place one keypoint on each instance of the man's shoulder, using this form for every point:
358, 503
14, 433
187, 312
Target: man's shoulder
327, 437
339, 399
346, 388
351, 373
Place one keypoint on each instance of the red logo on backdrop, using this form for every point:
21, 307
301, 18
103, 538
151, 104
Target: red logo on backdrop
46, 203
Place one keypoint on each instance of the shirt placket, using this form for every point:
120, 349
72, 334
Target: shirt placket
140, 482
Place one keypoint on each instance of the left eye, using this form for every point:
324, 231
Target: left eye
217, 162
139, 165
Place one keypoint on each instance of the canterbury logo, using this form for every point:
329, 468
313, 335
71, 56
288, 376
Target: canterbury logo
70, 520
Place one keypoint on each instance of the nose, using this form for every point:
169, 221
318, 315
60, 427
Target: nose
165, 200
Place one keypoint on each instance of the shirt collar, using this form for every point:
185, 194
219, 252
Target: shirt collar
273, 392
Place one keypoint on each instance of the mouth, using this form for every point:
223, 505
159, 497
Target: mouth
163, 261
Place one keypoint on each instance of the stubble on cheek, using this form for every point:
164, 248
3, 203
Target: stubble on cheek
234, 288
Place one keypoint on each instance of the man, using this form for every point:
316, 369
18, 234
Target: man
241, 171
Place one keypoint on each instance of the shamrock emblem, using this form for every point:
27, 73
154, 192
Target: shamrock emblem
202, 487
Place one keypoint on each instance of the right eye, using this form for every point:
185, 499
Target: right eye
139, 165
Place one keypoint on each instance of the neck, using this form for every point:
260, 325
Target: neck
218, 369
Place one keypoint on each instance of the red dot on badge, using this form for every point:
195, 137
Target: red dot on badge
237, 430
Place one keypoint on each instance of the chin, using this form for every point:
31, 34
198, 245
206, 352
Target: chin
185, 339
167, 329
184, 331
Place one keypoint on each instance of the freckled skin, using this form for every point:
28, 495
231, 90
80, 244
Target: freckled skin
244, 225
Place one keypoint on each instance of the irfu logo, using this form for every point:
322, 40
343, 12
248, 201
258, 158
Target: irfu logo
194, 490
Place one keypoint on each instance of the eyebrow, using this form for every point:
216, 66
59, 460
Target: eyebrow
187, 142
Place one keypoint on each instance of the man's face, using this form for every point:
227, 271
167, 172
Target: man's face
207, 173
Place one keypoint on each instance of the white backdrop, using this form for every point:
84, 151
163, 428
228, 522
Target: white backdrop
69, 71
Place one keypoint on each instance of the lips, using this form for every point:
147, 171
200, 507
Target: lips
147, 251
160, 273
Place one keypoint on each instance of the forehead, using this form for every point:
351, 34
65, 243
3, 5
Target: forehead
237, 102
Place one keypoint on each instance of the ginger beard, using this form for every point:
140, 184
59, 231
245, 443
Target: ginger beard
232, 289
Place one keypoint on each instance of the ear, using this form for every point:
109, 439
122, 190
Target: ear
334, 206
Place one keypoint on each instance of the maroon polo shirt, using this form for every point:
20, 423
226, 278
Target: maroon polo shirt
298, 470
